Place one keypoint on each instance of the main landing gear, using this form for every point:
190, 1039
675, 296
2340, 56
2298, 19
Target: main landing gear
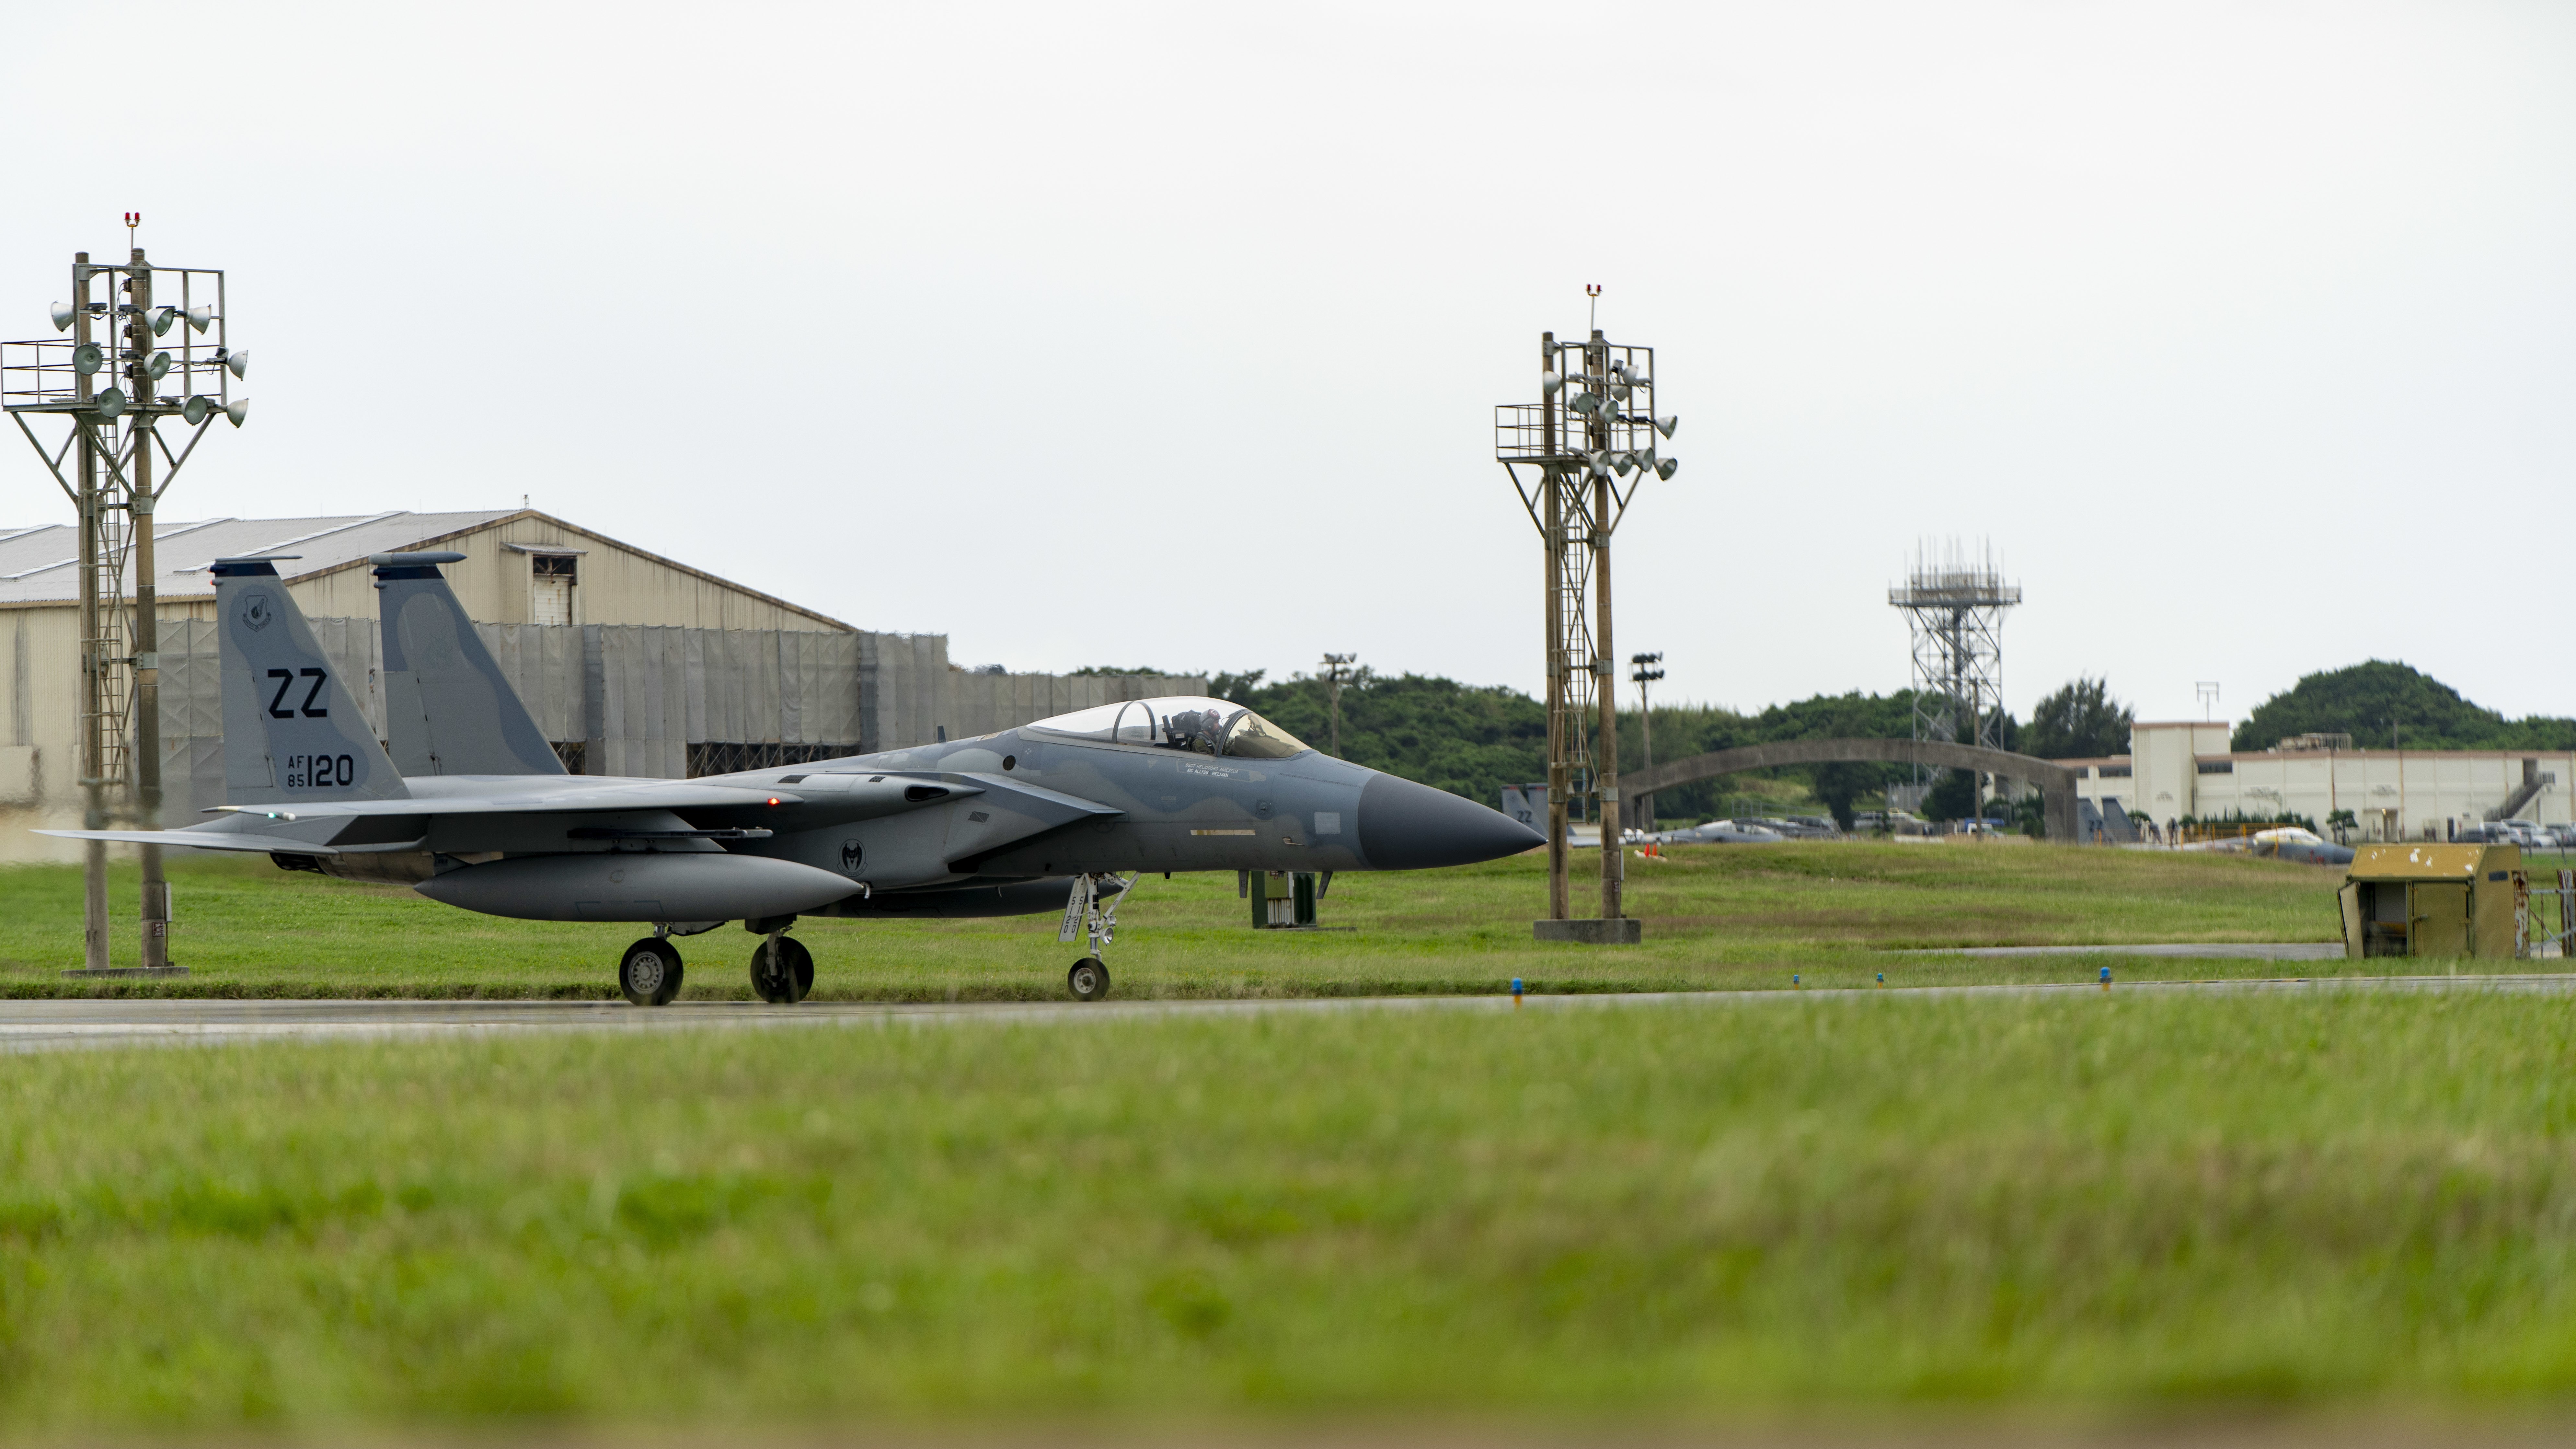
1092, 910
782, 970
650, 972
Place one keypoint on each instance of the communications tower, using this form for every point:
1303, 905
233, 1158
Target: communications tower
1954, 606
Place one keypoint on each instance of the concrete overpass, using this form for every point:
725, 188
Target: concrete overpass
2056, 782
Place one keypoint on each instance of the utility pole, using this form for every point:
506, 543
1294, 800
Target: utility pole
1576, 458
1646, 674
1334, 665
145, 749
94, 687
114, 492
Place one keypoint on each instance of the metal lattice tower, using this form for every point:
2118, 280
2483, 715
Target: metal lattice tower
1576, 458
1955, 608
142, 345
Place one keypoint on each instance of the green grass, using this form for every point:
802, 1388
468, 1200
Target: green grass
1716, 917
2088, 1204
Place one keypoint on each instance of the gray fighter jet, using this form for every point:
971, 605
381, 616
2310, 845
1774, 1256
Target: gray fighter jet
473, 808
1719, 832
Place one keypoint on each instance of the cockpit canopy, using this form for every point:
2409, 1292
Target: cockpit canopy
1180, 722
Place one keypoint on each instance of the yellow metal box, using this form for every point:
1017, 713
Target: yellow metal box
2432, 900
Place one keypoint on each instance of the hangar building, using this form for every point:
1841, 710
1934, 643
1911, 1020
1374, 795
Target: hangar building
634, 664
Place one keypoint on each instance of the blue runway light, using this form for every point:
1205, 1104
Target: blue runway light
1516, 991
2106, 978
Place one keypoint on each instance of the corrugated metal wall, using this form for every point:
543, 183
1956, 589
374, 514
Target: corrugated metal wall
979, 704
649, 699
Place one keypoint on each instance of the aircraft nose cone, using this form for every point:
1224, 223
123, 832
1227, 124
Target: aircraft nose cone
1405, 826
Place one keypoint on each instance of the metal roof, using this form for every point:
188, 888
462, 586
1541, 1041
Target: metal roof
41, 565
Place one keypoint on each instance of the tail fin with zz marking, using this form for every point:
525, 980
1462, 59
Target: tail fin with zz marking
292, 729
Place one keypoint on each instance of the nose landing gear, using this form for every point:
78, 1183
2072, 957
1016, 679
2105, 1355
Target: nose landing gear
782, 970
1088, 980
1092, 910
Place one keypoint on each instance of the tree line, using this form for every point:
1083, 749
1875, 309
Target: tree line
1473, 740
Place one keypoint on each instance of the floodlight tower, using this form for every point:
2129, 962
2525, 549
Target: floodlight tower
1647, 672
111, 385
1337, 667
1955, 609
1576, 458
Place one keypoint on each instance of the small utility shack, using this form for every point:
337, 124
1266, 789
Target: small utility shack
2434, 900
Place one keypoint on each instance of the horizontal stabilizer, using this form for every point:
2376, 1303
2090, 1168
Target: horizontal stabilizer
643, 795
193, 840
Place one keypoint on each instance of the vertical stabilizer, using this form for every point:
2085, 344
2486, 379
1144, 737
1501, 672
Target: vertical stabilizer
292, 730
449, 710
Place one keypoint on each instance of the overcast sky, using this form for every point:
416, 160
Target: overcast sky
1170, 335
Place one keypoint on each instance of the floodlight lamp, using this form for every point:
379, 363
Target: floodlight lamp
1667, 468
1622, 463
1548, 383
63, 313
237, 409
196, 408
200, 318
87, 358
158, 367
1645, 457
110, 403
1664, 426
161, 318
1619, 390
237, 362
1585, 403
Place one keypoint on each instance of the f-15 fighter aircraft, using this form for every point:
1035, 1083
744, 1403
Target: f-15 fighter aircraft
473, 808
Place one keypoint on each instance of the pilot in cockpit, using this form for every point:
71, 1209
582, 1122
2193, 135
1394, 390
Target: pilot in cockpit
1194, 729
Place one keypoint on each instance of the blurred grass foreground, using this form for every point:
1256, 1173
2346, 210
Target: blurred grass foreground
2097, 1202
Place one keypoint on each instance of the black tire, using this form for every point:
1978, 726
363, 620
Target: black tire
1088, 980
650, 971
789, 984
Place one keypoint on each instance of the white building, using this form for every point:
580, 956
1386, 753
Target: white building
2184, 769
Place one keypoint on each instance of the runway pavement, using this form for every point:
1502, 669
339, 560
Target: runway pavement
58, 1025
2253, 950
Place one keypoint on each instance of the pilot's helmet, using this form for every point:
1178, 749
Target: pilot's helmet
1192, 729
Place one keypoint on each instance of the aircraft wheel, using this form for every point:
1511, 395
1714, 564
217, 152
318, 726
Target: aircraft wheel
1088, 980
786, 984
650, 972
